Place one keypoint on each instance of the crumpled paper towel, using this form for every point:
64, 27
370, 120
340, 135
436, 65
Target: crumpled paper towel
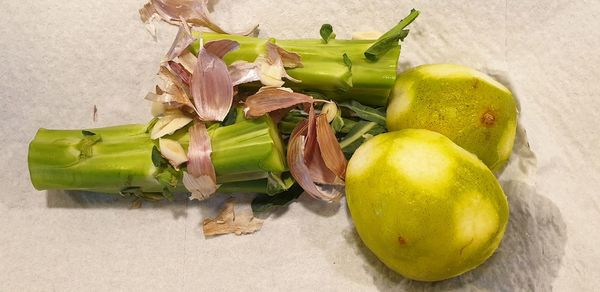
59, 59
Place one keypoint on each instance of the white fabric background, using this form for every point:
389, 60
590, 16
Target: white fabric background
60, 58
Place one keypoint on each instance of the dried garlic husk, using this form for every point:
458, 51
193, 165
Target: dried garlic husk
172, 151
168, 124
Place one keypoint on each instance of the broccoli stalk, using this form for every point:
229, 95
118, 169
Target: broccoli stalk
248, 156
324, 69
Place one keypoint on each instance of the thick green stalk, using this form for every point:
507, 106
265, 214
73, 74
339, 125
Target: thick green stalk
245, 149
247, 156
323, 67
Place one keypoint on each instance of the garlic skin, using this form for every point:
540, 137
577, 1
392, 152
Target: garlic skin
172, 151
270, 74
201, 188
200, 178
157, 109
330, 111
168, 124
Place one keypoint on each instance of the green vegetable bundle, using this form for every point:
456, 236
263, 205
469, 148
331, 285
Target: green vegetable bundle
247, 153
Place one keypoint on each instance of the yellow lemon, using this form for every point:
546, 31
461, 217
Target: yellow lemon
426, 207
467, 106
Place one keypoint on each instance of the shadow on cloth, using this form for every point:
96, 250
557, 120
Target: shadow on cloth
85, 199
529, 255
93, 200
528, 258
179, 207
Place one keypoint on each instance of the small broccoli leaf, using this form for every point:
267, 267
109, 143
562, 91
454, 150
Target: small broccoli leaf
168, 194
289, 122
231, 117
347, 61
152, 196
326, 32
365, 112
136, 192
168, 176
348, 126
358, 135
338, 122
277, 183
374, 52
131, 191
157, 159
85, 145
263, 202
151, 125
390, 39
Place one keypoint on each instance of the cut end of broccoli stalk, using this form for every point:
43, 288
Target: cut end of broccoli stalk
122, 158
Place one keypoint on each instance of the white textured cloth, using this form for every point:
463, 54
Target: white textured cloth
61, 58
